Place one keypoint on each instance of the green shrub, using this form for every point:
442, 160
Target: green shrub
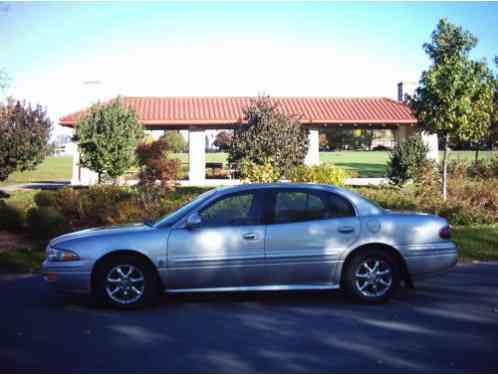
45, 199
470, 201
130, 211
478, 198
11, 218
269, 134
155, 166
459, 168
320, 174
110, 204
68, 203
390, 198
487, 168
482, 169
258, 173
99, 203
21, 260
462, 214
91, 207
45, 223
175, 141
405, 160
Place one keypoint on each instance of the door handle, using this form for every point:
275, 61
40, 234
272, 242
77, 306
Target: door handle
249, 236
345, 229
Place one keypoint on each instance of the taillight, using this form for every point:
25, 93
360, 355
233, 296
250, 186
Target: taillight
445, 233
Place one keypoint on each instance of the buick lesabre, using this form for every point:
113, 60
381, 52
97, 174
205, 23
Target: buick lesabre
255, 237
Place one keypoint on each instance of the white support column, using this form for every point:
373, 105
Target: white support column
81, 175
197, 156
313, 155
431, 141
75, 179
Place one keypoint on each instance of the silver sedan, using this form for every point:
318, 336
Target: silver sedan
255, 237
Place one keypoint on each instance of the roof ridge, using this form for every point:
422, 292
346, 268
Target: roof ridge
251, 97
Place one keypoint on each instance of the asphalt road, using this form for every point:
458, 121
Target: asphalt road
448, 324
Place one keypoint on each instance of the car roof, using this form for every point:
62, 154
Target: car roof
276, 185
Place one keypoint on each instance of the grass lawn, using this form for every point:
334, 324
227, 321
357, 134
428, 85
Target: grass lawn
365, 163
54, 168
476, 242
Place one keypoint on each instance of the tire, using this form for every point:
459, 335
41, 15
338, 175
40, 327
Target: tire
372, 276
126, 282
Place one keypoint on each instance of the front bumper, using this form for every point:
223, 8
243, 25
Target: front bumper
68, 277
424, 260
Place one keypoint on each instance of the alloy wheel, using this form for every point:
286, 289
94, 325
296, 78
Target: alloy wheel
373, 277
125, 284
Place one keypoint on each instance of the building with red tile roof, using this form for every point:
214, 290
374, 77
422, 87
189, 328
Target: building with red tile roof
221, 112
198, 114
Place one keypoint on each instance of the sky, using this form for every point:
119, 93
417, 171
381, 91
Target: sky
55, 52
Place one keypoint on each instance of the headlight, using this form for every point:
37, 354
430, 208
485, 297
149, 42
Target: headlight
58, 255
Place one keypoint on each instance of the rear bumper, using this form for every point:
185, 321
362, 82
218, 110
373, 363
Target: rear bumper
427, 261
67, 279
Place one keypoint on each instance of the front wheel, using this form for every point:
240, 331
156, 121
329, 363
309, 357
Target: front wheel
125, 282
372, 276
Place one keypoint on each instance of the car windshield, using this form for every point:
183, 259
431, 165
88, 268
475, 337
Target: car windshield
172, 217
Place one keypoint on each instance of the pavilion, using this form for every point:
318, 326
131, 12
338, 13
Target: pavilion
198, 114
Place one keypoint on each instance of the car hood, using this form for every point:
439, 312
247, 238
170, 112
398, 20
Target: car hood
100, 231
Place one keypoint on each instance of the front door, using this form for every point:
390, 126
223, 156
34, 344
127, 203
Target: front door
307, 233
226, 250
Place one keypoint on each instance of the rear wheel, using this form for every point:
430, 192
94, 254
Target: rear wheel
126, 282
372, 276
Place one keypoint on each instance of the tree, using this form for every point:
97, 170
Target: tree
482, 92
156, 166
175, 141
25, 131
269, 135
448, 100
493, 133
108, 135
406, 159
223, 140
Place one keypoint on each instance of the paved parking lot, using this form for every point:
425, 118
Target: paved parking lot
448, 324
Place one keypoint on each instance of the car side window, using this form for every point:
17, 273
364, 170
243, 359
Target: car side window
295, 206
239, 209
339, 206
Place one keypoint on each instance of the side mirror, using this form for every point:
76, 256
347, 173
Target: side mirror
193, 221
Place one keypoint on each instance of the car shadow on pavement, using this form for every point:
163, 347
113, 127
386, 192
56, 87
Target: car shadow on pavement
318, 298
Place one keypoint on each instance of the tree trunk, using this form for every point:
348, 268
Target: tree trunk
445, 167
477, 156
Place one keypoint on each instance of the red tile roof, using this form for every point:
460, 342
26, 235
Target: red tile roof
227, 111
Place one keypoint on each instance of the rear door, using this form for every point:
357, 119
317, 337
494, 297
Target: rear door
307, 231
